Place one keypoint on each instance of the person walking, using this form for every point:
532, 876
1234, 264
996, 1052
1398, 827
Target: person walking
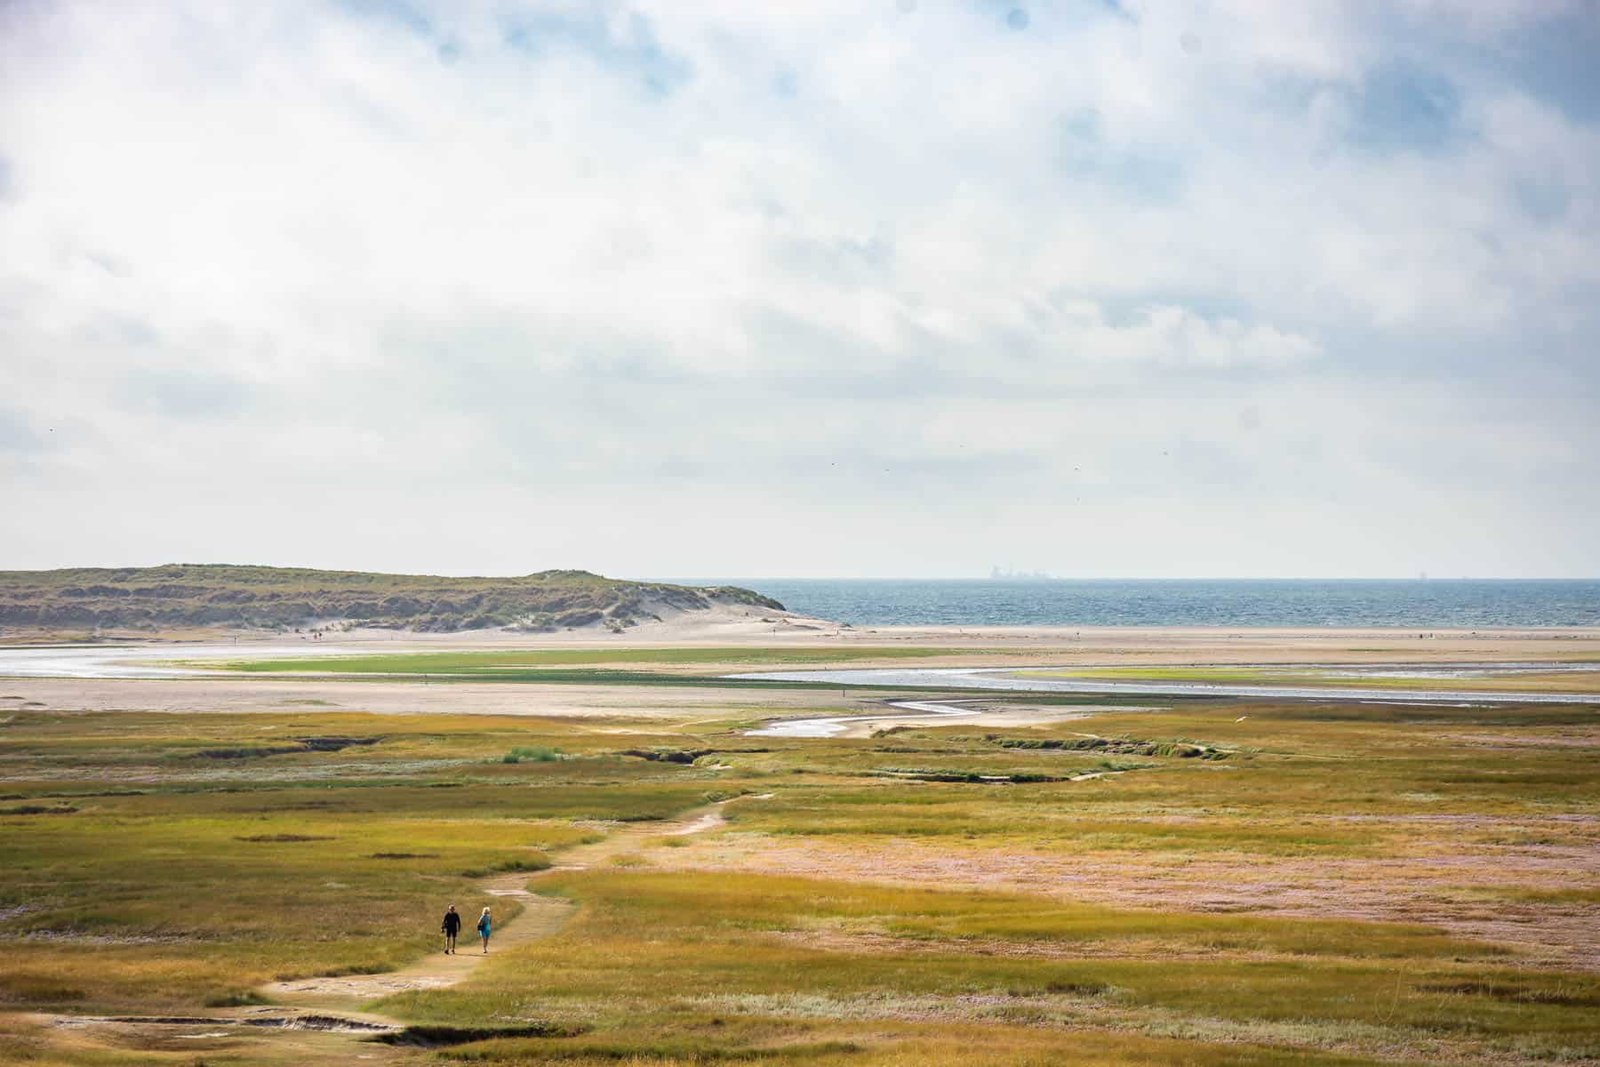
450, 928
484, 929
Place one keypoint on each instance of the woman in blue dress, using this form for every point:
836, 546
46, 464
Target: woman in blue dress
484, 929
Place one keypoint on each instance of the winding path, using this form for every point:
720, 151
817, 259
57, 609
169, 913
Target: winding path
309, 1019
540, 917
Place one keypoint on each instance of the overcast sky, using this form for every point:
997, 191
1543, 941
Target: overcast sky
894, 287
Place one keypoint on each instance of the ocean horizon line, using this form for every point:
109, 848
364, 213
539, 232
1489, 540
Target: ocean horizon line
987, 579
1420, 603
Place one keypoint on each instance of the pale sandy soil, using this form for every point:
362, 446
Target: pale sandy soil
1134, 645
990, 716
284, 694
872, 717
1182, 645
740, 627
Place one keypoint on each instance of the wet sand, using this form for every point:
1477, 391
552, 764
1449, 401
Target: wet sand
988, 647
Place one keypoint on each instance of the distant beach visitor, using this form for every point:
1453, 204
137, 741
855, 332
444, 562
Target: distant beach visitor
450, 928
484, 928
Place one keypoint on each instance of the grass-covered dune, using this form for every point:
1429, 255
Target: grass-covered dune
185, 595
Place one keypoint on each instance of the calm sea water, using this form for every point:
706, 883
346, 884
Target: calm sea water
1445, 604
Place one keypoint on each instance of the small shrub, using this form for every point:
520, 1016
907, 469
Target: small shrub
532, 754
684, 756
283, 839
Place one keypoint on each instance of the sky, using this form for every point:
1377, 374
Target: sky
870, 288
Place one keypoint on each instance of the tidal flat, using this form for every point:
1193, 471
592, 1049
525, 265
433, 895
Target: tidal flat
261, 860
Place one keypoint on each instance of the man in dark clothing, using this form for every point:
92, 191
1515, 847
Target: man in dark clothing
451, 927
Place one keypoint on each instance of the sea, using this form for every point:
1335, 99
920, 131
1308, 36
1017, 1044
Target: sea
1403, 604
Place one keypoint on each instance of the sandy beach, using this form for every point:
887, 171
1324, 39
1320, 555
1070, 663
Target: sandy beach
735, 629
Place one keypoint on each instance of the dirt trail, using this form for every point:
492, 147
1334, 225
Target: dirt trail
313, 1020
540, 917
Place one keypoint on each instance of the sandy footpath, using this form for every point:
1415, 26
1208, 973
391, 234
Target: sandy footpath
329, 1019
540, 917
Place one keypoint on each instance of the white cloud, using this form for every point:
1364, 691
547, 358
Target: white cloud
580, 260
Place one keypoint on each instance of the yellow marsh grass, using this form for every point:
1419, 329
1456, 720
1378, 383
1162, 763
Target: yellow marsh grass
652, 945
155, 903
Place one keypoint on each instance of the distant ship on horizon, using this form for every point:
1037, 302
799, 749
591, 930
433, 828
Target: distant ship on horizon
1000, 574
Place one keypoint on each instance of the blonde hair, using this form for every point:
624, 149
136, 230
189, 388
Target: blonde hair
486, 911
